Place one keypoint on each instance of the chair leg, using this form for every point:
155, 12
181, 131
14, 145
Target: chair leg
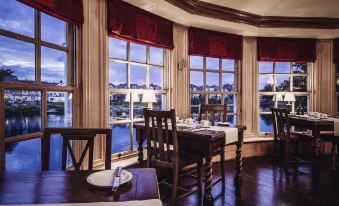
175, 186
200, 178
222, 168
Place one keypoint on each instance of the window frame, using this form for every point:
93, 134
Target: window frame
237, 85
308, 93
165, 91
71, 87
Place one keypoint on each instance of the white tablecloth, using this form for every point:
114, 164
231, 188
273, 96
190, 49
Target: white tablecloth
336, 125
152, 202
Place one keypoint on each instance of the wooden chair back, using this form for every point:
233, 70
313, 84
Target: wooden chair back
210, 111
162, 143
281, 126
70, 134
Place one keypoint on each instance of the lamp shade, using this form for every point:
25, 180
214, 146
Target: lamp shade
149, 97
289, 97
135, 97
277, 97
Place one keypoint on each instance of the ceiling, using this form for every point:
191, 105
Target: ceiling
295, 8
179, 16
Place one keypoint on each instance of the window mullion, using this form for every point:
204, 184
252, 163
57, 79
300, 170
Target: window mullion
38, 47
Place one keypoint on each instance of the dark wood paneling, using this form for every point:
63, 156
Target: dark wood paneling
225, 13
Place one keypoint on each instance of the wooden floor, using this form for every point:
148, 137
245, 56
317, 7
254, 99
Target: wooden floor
268, 184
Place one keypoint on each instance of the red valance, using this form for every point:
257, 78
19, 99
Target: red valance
131, 23
286, 49
214, 44
336, 51
70, 11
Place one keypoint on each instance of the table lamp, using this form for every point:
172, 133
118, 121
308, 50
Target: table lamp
135, 97
289, 98
277, 97
149, 97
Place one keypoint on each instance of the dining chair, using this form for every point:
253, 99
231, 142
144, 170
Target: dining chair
71, 134
283, 135
214, 112
334, 140
163, 150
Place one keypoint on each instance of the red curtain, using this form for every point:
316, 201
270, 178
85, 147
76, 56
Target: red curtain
133, 24
70, 11
286, 49
214, 44
336, 51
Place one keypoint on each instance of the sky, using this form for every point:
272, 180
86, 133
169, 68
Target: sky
20, 56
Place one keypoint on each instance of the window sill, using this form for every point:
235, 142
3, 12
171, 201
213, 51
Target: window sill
258, 139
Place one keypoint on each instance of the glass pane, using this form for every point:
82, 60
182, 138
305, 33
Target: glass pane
121, 137
156, 56
138, 53
17, 17
196, 62
212, 81
196, 100
283, 83
138, 108
55, 161
156, 78
214, 99
53, 67
232, 119
17, 60
302, 102
266, 103
59, 109
119, 108
228, 82
117, 48
212, 63
53, 30
266, 83
117, 75
300, 68
229, 99
300, 83
24, 156
196, 81
228, 64
161, 102
266, 123
265, 67
22, 112
282, 67
138, 77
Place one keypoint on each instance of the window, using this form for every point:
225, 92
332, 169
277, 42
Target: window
133, 68
279, 78
214, 81
36, 82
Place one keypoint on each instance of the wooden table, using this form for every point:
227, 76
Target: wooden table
71, 187
316, 126
203, 143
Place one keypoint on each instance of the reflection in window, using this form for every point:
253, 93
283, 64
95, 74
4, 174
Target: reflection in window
282, 83
24, 156
22, 112
59, 109
196, 62
119, 108
53, 67
138, 77
156, 78
161, 102
212, 63
228, 82
265, 67
265, 83
230, 101
156, 56
302, 102
214, 99
212, 81
138, 53
266, 123
17, 17
117, 49
300, 83
282, 67
17, 60
196, 81
299, 68
266, 103
196, 100
53, 30
228, 64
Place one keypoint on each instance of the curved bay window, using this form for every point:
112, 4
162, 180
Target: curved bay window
37, 82
279, 78
133, 69
214, 81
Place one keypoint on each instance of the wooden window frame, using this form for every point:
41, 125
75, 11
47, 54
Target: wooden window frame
165, 91
72, 84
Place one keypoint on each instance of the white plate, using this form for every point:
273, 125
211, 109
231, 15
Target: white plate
104, 178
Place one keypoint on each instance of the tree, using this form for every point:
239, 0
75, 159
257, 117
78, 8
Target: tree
7, 75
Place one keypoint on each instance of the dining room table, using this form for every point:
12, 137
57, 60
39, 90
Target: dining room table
204, 142
316, 125
68, 187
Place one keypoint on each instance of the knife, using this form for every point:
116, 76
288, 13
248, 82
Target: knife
116, 179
